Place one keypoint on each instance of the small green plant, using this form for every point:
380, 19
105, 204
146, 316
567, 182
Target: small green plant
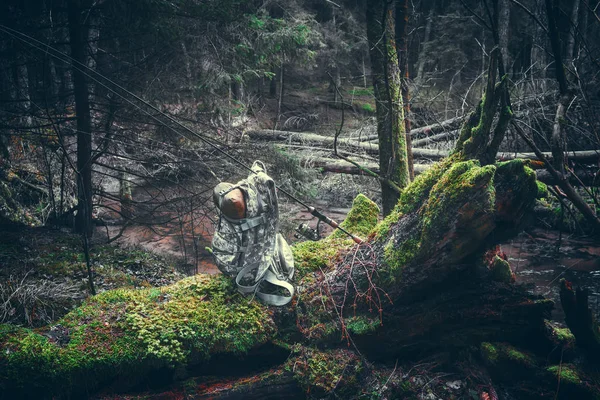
368, 107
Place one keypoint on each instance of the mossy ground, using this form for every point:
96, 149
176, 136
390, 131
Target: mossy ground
127, 331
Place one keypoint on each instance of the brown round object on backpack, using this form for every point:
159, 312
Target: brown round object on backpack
233, 204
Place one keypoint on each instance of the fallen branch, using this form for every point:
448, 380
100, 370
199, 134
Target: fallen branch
561, 180
435, 138
585, 177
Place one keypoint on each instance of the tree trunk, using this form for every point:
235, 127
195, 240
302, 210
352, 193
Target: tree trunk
273, 83
574, 21
402, 16
538, 54
503, 32
393, 159
78, 36
422, 61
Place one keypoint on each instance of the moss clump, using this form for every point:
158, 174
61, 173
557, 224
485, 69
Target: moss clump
361, 325
320, 372
518, 356
312, 256
396, 257
542, 191
127, 332
505, 355
564, 335
561, 338
413, 196
464, 190
516, 190
489, 353
500, 270
361, 219
568, 373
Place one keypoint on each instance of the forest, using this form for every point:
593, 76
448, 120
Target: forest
434, 166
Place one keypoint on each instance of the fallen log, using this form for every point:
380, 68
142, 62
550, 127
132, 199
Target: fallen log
451, 123
435, 138
308, 138
586, 156
583, 177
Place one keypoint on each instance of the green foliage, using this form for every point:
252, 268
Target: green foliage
504, 355
269, 42
567, 372
368, 107
362, 325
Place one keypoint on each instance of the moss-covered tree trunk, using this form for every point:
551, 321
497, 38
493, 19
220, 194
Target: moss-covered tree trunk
393, 158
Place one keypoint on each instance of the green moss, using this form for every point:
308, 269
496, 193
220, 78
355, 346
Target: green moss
311, 256
518, 356
460, 186
368, 108
542, 191
564, 335
398, 257
320, 372
412, 197
118, 330
361, 325
500, 270
495, 354
361, 219
568, 373
362, 91
489, 353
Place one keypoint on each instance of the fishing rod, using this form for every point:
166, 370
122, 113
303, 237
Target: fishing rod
84, 69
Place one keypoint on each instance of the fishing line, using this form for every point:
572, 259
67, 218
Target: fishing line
65, 58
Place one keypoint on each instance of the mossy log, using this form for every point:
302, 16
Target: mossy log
428, 280
421, 284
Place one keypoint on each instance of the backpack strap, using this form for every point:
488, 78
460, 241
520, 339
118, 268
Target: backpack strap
246, 224
271, 299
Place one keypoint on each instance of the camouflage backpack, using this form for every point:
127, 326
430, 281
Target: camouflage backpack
250, 249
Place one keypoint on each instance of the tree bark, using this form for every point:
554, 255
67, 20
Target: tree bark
503, 32
393, 158
422, 60
78, 36
402, 16
574, 21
